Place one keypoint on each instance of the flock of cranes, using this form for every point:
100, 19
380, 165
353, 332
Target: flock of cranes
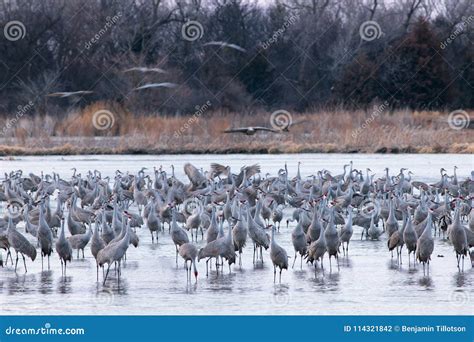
215, 214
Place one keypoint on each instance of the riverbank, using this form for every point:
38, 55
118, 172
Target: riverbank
320, 132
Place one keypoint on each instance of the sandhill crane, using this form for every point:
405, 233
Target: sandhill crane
145, 70
63, 94
278, 255
213, 229
410, 238
314, 229
374, 232
425, 244
277, 214
239, 233
97, 244
458, 237
4, 244
74, 226
317, 249
45, 236
258, 235
114, 252
225, 45
153, 222
19, 244
194, 221
29, 227
251, 130
157, 85
346, 232
395, 241
63, 248
332, 239
107, 233
198, 180
178, 234
221, 247
189, 252
80, 241
298, 238
391, 225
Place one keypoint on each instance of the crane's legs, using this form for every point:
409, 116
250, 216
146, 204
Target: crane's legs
294, 260
16, 263
176, 256
274, 273
24, 263
106, 275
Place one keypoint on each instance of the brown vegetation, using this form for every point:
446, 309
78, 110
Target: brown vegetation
337, 131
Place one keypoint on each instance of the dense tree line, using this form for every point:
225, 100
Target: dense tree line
292, 54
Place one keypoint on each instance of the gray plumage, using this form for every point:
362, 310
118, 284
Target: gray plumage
63, 248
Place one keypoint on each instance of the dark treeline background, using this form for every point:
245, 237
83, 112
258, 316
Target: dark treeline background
317, 61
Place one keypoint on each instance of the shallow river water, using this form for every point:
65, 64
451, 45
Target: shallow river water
368, 282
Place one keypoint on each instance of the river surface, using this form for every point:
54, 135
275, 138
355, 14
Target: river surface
368, 281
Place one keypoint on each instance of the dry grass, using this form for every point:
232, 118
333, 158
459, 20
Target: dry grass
335, 131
